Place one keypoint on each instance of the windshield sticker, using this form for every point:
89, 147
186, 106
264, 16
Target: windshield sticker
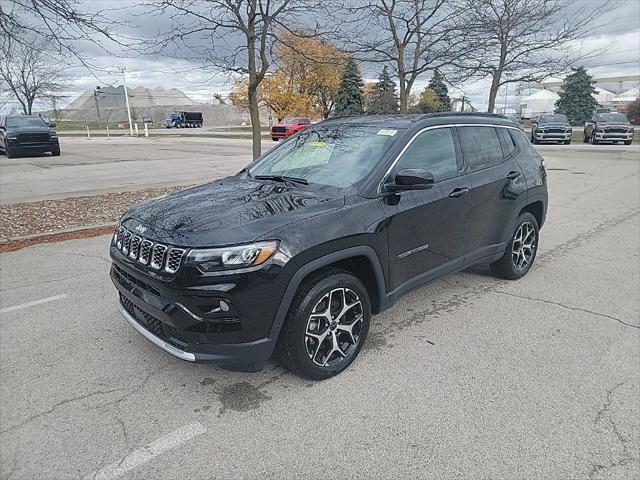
319, 143
387, 132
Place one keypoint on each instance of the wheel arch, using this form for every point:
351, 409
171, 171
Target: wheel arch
362, 261
535, 208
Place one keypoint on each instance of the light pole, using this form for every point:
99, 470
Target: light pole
126, 99
96, 92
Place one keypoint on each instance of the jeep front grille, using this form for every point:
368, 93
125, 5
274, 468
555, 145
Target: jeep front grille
146, 252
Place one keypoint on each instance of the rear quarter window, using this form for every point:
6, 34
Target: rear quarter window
480, 146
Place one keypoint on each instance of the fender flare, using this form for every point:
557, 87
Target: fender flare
317, 264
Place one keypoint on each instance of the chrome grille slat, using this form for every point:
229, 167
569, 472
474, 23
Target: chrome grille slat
174, 257
145, 251
126, 242
155, 255
134, 249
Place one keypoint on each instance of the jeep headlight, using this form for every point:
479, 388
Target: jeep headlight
232, 258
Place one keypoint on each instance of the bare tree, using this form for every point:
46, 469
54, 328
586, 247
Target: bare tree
237, 36
61, 23
525, 40
415, 36
29, 73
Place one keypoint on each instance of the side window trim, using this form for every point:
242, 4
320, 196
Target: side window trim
454, 127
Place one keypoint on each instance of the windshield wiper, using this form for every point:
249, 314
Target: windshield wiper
282, 178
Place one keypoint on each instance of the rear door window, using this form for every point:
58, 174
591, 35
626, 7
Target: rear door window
480, 146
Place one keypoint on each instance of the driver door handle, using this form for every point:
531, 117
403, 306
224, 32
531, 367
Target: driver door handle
513, 175
459, 192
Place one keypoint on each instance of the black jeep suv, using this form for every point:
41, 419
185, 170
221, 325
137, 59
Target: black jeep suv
27, 135
299, 249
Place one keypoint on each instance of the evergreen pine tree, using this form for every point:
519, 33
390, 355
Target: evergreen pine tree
438, 86
383, 98
577, 100
349, 99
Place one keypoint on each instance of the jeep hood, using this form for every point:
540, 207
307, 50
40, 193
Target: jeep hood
228, 211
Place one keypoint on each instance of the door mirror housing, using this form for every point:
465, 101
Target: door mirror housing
411, 179
52, 124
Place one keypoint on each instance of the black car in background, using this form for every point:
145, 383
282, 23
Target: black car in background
551, 128
295, 253
608, 127
27, 135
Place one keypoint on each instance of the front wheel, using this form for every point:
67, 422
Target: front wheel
9, 152
594, 140
567, 142
326, 326
55, 152
521, 249
275, 139
627, 142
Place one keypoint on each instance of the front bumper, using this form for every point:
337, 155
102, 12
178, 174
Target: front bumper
553, 136
613, 136
40, 147
174, 315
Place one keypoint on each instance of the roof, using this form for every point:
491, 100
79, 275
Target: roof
408, 119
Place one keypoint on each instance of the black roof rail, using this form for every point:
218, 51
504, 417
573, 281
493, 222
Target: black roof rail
462, 114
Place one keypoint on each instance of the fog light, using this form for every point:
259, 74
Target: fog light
222, 307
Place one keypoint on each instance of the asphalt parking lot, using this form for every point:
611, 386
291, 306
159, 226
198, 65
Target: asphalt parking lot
97, 165
469, 377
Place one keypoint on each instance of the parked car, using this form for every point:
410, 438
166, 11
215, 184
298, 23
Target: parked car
26, 134
184, 120
296, 252
289, 126
148, 119
551, 128
608, 127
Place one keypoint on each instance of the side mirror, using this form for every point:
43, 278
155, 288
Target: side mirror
411, 179
52, 124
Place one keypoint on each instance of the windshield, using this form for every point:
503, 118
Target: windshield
25, 122
289, 120
337, 156
553, 119
613, 117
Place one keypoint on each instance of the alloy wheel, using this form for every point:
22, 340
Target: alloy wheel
524, 246
334, 327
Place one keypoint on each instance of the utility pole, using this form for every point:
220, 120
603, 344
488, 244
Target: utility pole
126, 99
96, 91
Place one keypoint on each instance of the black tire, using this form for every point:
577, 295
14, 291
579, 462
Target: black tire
275, 139
506, 267
9, 152
295, 347
594, 140
56, 152
628, 142
567, 142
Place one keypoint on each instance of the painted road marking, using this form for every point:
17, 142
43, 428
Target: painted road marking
144, 454
33, 304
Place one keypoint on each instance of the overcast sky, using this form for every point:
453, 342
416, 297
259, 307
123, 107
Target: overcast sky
620, 34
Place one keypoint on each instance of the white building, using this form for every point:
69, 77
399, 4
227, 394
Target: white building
542, 101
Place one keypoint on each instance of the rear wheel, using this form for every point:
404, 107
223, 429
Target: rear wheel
521, 249
326, 326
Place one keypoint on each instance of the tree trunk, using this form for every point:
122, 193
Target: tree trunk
403, 95
254, 114
493, 91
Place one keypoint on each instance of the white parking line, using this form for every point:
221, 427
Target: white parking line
34, 303
144, 454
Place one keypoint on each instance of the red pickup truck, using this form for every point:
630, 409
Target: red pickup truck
289, 126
